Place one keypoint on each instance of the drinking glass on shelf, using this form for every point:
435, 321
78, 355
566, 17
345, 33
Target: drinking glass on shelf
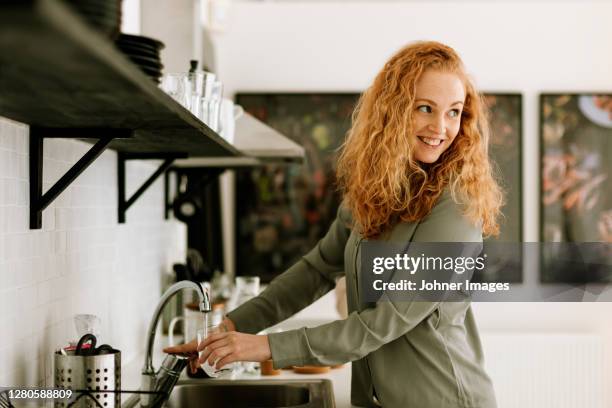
177, 86
211, 105
209, 113
195, 82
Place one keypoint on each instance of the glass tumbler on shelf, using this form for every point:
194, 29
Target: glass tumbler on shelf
200, 84
211, 106
177, 86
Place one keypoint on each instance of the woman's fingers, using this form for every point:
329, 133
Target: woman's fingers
212, 347
186, 348
211, 339
216, 354
194, 364
230, 358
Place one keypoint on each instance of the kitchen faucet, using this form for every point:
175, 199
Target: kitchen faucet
164, 380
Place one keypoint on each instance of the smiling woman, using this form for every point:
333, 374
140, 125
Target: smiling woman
414, 168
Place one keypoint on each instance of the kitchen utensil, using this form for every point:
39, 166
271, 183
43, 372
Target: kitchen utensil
95, 373
104, 349
80, 351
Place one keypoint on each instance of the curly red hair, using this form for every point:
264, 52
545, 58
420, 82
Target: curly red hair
381, 181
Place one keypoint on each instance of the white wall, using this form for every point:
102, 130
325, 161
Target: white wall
172, 22
527, 47
81, 261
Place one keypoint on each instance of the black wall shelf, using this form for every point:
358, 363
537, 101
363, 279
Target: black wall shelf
56, 72
67, 81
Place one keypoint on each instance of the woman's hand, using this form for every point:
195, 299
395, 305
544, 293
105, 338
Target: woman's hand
190, 349
224, 348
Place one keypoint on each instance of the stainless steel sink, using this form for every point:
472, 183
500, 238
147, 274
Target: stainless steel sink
248, 393
252, 393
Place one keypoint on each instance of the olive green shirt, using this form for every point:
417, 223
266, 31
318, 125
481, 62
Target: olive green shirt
409, 354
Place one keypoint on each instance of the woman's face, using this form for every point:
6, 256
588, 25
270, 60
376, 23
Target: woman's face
437, 117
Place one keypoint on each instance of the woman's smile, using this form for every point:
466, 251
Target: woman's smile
431, 142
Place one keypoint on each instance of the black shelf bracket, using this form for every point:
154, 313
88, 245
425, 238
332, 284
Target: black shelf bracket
125, 204
40, 201
185, 192
167, 200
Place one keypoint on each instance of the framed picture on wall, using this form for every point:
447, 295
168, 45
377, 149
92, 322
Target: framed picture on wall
283, 210
504, 264
576, 180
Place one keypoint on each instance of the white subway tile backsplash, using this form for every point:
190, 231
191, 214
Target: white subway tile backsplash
81, 261
5, 166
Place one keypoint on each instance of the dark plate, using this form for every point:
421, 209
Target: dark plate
151, 71
129, 44
141, 52
148, 65
136, 47
140, 40
129, 47
146, 62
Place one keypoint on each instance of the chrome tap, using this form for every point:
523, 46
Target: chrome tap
167, 376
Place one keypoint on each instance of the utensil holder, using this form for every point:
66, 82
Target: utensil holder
93, 373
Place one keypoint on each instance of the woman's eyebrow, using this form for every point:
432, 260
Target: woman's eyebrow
434, 104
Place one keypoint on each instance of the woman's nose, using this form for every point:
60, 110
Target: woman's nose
438, 126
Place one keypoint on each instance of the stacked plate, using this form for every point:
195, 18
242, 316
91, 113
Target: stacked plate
144, 52
103, 15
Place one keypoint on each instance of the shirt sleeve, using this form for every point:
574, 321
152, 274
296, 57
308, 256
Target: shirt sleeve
365, 331
303, 283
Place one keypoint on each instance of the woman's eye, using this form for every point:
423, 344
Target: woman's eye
455, 113
424, 109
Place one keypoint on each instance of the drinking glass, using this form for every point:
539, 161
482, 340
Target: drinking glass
177, 86
202, 334
210, 104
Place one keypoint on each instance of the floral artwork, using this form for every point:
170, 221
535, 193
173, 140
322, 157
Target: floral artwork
283, 210
505, 261
576, 189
